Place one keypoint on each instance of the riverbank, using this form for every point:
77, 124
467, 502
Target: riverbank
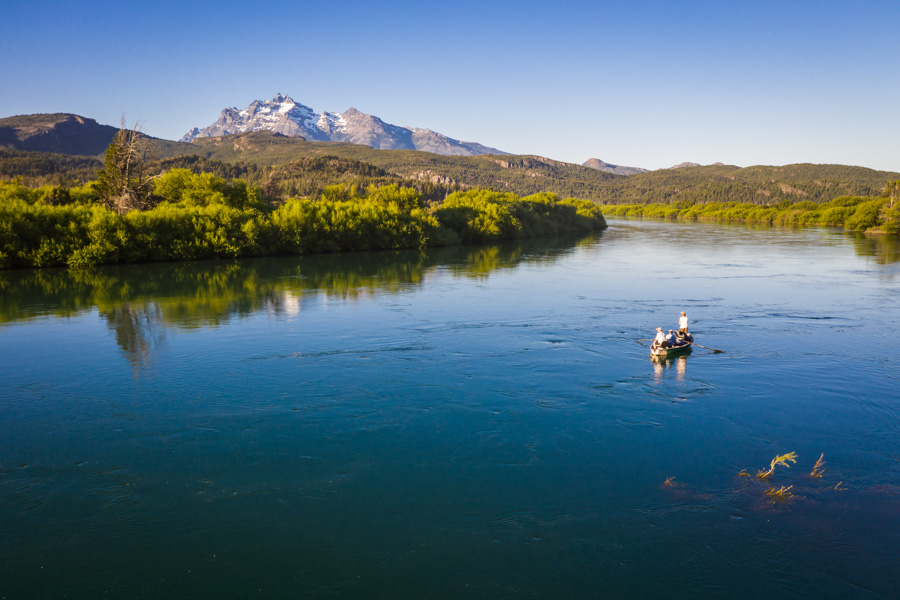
870, 215
227, 223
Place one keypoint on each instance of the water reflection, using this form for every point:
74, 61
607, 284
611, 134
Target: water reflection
139, 302
661, 365
136, 330
885, 249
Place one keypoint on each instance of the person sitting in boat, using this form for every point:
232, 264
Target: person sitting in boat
672, 339
660, 340
683, 325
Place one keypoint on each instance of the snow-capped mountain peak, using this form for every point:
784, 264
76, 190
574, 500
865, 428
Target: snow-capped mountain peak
331, 123
283, 115
280, 115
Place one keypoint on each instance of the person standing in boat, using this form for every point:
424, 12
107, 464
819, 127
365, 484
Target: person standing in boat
660, 340
683, 325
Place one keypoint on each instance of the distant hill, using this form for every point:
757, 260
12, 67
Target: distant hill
520, 174
289, 118
61, 132
596, 163
39, 148
65, 133
756, 185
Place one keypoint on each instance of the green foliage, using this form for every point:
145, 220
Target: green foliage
854, 213
197, 164
41, 235
42, 168
170, 232
477, 216
186, 188
865, 215
308, 226
15, 192
206, 217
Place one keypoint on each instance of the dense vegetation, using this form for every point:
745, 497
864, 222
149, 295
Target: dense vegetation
759, 185
870, 214
40, 168
206, 216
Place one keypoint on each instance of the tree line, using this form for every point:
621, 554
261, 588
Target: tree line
876, 214
128, 216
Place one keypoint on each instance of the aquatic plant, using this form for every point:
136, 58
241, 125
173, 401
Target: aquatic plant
782, 494
669, 482
782, 459
818, 468
743, 473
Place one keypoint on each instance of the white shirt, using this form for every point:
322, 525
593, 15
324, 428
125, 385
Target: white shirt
683, 322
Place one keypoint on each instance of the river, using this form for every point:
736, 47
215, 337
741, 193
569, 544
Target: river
476, 422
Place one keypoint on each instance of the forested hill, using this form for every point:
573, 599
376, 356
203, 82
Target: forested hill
519, 174
531, 174
755, 185
285, 166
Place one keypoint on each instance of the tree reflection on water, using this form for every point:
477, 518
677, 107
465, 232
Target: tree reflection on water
140, 302
137, 331
885, 249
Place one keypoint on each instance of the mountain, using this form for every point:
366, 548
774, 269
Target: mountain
64, 133
285, 116
60, 132
596, 163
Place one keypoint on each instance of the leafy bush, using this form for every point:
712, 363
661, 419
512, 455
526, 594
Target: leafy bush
186, 188
865, 216
850, 212
203, 216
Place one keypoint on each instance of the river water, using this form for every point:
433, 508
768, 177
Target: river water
476, 422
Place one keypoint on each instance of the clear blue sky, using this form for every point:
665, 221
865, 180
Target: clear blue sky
648, 84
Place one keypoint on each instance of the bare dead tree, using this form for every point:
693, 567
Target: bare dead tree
123, 182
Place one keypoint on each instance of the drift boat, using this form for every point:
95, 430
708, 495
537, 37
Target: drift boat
682, 346
666, 352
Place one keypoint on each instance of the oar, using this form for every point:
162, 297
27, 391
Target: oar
708, 348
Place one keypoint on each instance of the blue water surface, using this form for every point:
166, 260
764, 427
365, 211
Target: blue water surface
480, 422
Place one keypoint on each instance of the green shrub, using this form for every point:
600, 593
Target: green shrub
865, 216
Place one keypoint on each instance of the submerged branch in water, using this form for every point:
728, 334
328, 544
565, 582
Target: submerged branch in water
818, 470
